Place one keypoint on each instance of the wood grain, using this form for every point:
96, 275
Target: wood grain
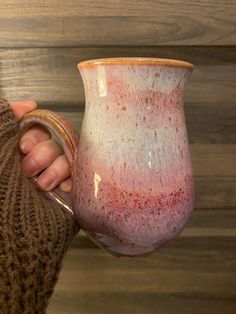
213, 160
213, 164
206, 123
41, 43
202, 223
69, 23
139, 303
211, 123
51, 76
98, 272
191, 271
217, 192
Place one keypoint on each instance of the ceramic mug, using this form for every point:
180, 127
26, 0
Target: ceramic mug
132, 184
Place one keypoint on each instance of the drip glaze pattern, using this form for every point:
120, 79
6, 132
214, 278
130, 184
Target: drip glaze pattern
132, 180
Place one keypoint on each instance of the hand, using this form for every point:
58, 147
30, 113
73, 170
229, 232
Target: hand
43, 156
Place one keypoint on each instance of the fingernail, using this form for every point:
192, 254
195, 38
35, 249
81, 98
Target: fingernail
29, 166
26, 145
46, 181
66, 186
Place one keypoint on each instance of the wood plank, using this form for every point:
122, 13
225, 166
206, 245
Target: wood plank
70, 23
50, 75
212, 219
202, 223
189, 262
215, 192
138, 303
213, 165
213, 160
211, 123
214, 173
204, 127
191, 272
207, 159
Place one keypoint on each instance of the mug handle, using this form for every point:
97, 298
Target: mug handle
62, 132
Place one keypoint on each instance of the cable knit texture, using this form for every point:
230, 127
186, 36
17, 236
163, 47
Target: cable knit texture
34, 232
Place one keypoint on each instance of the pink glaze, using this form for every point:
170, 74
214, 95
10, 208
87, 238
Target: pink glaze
132, 181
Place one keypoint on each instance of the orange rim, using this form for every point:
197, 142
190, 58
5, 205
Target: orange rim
136, 61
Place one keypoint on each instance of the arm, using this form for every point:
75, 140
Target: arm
34, 232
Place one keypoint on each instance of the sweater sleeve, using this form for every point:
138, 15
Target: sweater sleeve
34, 232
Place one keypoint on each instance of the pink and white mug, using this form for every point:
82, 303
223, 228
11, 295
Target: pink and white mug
131, 169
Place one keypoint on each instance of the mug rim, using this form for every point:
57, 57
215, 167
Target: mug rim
136, 61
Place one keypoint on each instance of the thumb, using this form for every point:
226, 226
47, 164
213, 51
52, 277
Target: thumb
20, 108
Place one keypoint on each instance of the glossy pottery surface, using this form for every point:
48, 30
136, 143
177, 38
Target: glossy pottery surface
133, 187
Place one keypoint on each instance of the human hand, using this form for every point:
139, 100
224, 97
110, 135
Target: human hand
34, 232
43, 156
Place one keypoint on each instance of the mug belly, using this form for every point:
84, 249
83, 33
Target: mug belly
130, 221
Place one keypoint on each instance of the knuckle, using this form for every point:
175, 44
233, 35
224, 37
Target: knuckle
61, 167
63, 162
37, 134
48, 150
53, 173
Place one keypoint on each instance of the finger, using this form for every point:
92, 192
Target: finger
40, 157
32, 137
20, 108
66, 185
57, 172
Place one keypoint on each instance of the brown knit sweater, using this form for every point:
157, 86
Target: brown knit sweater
34, 232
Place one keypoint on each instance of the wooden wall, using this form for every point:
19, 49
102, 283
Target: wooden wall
40, 44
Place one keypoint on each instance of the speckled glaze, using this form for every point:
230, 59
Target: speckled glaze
132, 180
